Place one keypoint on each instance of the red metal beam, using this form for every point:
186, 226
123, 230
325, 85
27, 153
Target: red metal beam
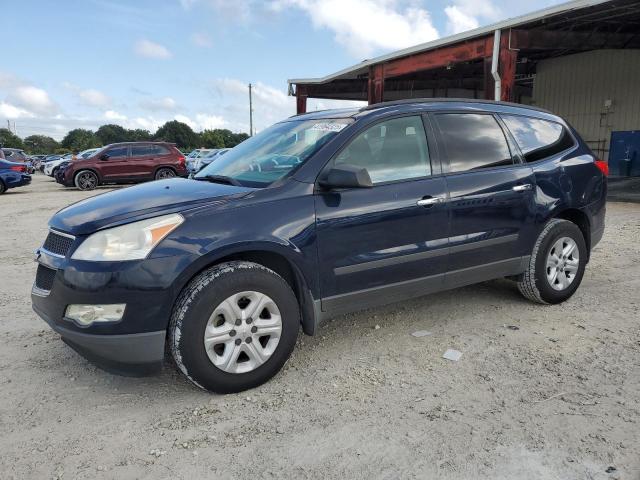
507, 69
301, 99
440, 57
375, 87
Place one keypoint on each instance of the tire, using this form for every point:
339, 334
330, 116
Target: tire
53, 172
164, 173
86, 180
2, 187
536, 283
214, 290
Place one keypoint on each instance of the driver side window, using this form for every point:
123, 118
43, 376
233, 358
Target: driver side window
117, 152
391, 150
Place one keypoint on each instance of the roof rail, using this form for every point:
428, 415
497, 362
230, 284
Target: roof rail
405, 101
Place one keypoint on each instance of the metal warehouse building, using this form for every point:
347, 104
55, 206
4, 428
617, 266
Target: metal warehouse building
580, 60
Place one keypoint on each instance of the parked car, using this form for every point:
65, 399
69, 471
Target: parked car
19, 156
192, 158
125, 163
319, 215
12, 175
199, 163
51, 167
47, 159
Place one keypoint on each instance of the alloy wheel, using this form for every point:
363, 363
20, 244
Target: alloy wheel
243, 332
563, 262
87, 181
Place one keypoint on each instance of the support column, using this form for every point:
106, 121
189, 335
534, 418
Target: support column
375, 92
301, 99
488, 81
507, 69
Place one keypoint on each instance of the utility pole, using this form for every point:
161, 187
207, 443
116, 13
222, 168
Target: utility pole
250, 112
8, 124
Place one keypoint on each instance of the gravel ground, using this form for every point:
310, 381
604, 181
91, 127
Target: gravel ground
541, 392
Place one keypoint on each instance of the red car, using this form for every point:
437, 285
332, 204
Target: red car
125, 163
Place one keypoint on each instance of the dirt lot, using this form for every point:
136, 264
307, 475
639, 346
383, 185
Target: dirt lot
539, 393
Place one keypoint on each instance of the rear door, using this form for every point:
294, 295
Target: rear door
116, 165
143, 160
491, 197
385, 243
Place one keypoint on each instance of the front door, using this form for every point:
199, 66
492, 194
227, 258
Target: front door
491, 200
388, 242
116, 165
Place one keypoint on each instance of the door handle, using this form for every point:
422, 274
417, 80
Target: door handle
430, 201
521, 188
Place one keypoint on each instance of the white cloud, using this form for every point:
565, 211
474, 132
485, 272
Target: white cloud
465, 15
32, 98
364, 26
201, 39
459, 21
147, 48
8, 111
114, 116
94, 98
159, 104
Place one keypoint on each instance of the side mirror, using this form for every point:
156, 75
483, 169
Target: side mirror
104, 156
347, 176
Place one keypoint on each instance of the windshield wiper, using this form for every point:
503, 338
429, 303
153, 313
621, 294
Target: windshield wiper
219, 179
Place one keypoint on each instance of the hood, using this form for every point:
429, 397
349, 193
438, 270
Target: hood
142, 201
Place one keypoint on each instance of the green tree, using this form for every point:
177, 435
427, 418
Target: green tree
80, 139
178, 133
138, 135
111, 133
39, 144
212, 139
9, 140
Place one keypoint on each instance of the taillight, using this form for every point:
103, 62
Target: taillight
603, 166
181, 160
18, 168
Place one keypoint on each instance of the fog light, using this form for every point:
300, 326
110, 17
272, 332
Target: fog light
88, 314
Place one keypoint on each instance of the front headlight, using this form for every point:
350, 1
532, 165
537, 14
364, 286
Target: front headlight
128, 242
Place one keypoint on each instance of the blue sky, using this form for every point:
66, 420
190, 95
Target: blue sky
83, 63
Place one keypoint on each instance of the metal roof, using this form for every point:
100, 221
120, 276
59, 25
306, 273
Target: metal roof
362, 67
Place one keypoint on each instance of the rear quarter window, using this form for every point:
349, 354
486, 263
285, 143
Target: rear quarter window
538, 139
473, 141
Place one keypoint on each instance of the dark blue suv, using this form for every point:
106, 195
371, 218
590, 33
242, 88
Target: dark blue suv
318, 215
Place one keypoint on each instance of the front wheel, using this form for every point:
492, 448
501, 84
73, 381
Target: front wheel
86, 180
557, 263
234, 327
2, 187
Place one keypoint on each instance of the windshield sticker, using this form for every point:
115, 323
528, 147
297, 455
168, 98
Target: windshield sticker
329, 126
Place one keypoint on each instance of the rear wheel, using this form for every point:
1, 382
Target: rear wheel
557, 263
3, 188
164, 173
234, 327
86, 180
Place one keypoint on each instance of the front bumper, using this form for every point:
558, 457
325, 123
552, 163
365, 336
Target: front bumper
135, 344
132, 354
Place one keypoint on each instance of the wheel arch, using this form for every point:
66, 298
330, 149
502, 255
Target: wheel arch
273, 258
579, 218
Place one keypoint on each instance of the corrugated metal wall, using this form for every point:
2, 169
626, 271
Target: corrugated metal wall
577, 88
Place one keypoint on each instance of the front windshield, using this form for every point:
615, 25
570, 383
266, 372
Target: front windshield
275, 152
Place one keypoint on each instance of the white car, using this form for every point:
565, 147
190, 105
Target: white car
50, 168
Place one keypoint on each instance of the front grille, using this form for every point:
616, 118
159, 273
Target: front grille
44, 278
57, 244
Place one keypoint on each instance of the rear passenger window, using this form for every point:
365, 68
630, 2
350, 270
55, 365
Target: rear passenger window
473, 141
391, 150
141, 150
537, 138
